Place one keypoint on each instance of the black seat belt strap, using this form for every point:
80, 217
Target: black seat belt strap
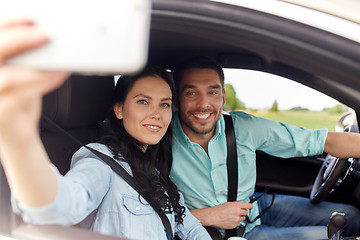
232, 166
115, 166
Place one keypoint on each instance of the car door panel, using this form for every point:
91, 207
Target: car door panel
289, 176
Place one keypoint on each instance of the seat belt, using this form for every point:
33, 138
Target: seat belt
115, 166
232, 167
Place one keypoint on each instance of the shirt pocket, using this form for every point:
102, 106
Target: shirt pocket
136, 206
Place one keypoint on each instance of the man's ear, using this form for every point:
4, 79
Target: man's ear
118, 110
224, 97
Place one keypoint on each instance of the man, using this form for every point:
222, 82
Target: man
199, 161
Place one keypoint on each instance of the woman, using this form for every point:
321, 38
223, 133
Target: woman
136, 136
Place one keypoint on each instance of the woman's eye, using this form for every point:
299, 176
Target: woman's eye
167, 105
142, 101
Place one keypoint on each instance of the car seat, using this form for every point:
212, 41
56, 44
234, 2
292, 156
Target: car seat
78, 107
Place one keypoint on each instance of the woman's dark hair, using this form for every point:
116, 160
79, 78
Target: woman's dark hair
151, 169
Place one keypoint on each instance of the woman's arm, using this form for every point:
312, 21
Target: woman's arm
22, 154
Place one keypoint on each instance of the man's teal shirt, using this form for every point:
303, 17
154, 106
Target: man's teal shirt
202, 177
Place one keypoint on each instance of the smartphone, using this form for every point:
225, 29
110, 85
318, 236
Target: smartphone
86, 36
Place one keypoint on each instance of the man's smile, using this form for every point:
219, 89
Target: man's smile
202, 115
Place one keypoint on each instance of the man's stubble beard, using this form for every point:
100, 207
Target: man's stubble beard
194, 130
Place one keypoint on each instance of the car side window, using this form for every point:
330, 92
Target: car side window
280, 99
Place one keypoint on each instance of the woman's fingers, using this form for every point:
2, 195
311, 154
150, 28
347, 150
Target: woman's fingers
17, 37
20, 102
21, 89
16, 21
18, 86
39, 82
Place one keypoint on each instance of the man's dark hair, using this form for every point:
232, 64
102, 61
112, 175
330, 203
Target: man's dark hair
202, 62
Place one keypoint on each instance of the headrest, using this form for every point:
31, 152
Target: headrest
81, 101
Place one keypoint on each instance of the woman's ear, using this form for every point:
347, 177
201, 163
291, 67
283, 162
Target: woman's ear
117, 107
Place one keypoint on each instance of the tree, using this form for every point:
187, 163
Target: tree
274, 107
338, 109
231, 101
299, 108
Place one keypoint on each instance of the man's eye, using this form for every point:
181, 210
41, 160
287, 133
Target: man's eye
213, 93
190, 93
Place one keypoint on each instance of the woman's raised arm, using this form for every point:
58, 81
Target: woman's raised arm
26, 164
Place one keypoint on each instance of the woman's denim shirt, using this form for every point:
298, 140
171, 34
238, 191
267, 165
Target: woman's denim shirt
92, 187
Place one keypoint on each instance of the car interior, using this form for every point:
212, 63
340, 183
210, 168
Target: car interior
238, 38
247, 39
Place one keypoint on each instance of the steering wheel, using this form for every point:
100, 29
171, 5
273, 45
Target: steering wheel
328, 178
332, 172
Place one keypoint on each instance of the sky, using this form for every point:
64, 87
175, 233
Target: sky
259, 90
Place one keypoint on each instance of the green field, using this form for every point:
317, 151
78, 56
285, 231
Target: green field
307, 119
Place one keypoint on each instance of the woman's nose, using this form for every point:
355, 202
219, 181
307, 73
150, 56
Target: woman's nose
154, 114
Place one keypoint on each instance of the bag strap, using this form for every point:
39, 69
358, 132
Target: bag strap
115, 166
232, 166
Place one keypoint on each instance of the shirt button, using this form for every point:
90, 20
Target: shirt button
213, 171
137, 208
219, 193
199, 150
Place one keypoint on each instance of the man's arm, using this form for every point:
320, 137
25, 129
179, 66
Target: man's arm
343, 144
226, 216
